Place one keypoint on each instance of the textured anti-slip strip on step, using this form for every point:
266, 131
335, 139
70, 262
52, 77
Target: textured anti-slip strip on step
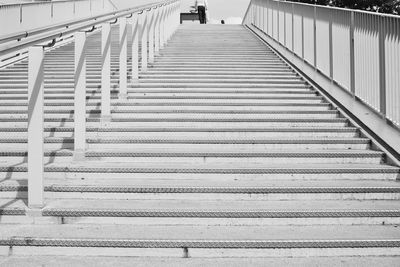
277, 154
64, 153
136, 93
108, 130
217, 244
354, 169
188, 111
168, 98
205, 190
310, 120
221, 214
122, 140
183, 104
12, 211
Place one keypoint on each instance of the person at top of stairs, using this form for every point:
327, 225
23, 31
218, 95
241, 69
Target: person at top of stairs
201, 6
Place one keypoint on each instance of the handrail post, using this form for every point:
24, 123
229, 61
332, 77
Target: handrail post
315, 36
168, 24
293, 28
35, 128
352, 56
106, 73
177, 15
151, 35
157, 31
330, 46
302, 34
123, 59
162, 27
144, 32
135, 48
80, 96
382, 66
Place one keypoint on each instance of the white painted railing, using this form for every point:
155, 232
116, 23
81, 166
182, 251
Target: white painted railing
360, 51
24, 17
153, 25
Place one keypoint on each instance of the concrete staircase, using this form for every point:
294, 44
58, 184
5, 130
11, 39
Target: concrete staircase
221, 150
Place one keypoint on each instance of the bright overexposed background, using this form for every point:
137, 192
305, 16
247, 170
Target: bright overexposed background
232, 11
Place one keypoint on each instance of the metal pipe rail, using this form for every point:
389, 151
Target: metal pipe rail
26, 16
65, 25
358, 51
152, 24
71, 27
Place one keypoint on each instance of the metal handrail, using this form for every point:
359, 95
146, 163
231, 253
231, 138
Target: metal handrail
24, 34
36, 3
57, 33
340, 8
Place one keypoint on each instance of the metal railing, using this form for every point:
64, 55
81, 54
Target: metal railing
23, 17
359, 51
152, 24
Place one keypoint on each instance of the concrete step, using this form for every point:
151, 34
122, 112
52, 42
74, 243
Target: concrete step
160, 170
195, 133
121, 107
200, 189
318, 103
209, 85
201, 155
193, 123
265, 86
127, 115
177, 93
210, 213
290, 259
263, 145
177, 79
165, 74
208, 242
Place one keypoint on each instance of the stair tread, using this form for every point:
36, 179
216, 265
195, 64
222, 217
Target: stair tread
204, 140
211, 207
203, 260
210, 233
206, 151
226, 167
267, 185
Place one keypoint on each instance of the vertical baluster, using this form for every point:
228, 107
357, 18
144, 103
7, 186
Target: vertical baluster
352, 56
177, 15
302, 34
162, 27
35, 127
315, 36
80, 96
123, 59
168, 24
144, 33
382, 65
135, 48
157, 31
151, 35
105, 73
292, 10
331, 16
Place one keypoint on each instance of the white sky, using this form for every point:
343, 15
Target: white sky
218, 9
221, 9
